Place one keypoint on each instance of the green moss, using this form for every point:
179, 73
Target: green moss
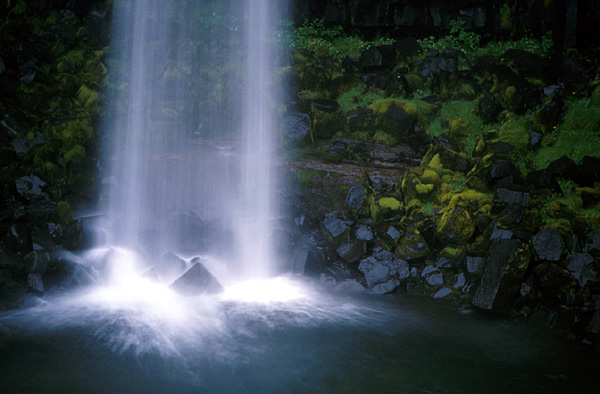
307, 178
359, 95
384, 138
76, 153
514, 131
389, 203
455, 226
382, 106
424, 189
64, 210
430, 177
575, 137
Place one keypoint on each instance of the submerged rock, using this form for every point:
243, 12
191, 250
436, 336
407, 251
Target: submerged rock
197, 280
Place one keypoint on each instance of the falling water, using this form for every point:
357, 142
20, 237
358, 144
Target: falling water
190, 145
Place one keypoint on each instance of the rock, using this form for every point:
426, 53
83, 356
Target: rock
456, 226
334, 226
542, 179
407, 46
355, 196
364, 232
499, 233
502, 276
170, 266
349, 286
433, 275
412, 246
22, 145
371, 58
197, 280
488, 110
548, 245
581, 266
473, 264
594, 325
563, 167
28, 71
30, 187
35, 282
295, 128
36, 262
338, 271
512, 197
443, 292
359, 118
501, 168
352, 251
459, 281
383, 271
543, 316
392, 233
593, 244
325, 118
350, 64
554, 282
588, 171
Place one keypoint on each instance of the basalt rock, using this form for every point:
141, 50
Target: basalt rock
383, 271
502, 276
548, 245
197, 280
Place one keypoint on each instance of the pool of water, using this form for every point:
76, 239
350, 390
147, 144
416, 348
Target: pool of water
302, 339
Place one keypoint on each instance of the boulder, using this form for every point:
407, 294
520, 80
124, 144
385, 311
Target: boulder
554, 282
364, 232
473, 264
295, 129
412, 246
383, 271
352, 251
30, 187
169, 267
197, 280
443, 292
593, 244
512, 197
583, 269
433, 275
502, 276
334, 226
548, 245
355, 196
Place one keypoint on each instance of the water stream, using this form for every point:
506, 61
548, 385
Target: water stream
188, 173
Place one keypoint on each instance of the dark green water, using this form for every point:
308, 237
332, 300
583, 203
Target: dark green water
321, 343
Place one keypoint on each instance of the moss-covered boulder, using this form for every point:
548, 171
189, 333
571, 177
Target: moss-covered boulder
455, 227
326, 119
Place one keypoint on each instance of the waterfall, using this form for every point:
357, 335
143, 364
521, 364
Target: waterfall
189, 131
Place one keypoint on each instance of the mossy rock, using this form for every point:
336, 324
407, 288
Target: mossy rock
424, 189
326, 119
430, 177
397, 117
455, 227
439, 157
412, 246
384, 207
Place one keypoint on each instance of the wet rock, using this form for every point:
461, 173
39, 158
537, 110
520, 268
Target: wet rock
355, 197
359, 118
548, 245
433, 275
350, 64
371, 59
542, 179
582, 267
383, 271
364, 232
338, 272
30, 187
473, 264
593, 244
502, 277
352, 251
588, 171
325, 118
295, 128
36, 262
593, 326
554, 282
35, 282
512, 197
488, 110
392, 233
563, 167
412, 246
334, 226
499, 233
170, 266
442, 293
459, 281
407, 46
197, 280
543, 316
502, 168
